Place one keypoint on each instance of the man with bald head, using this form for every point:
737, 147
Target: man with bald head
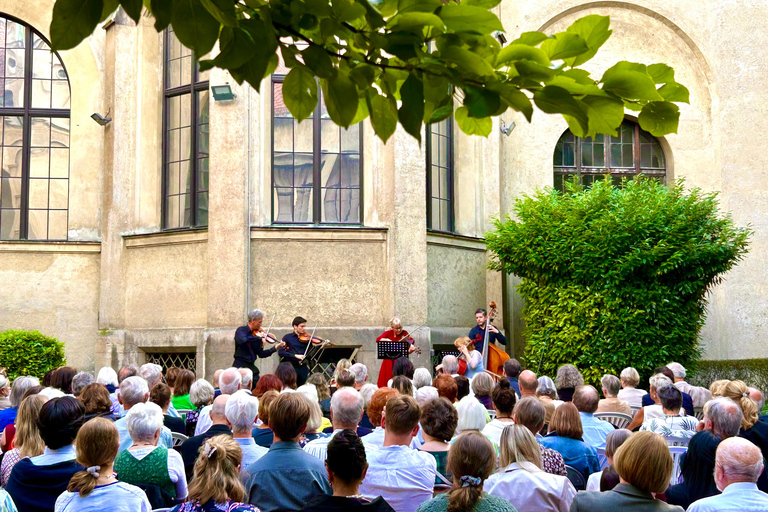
528, 383
586, 399
190, 448
229, 381
738, 464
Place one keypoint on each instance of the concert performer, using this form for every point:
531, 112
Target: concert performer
477, 334
395, 333
295, 348
249, 344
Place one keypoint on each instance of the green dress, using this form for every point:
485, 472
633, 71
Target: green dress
487, 503
182, 402
152, 469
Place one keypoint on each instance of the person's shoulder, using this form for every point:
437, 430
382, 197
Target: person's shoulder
437, 504
497, 504
63, 501
127, 489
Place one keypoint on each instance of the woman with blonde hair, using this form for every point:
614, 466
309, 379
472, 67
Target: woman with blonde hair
216, 485
28, 442
97, 488
472, 357
471, 460
716, 388
751, 429
521, 480
394, 333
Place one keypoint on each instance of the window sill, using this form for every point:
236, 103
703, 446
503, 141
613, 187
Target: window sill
50, 247
188, 236
318, 234
455, 241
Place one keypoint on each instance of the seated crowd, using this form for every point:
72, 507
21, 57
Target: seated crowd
141, 439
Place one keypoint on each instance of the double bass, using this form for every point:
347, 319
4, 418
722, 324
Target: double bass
493, 357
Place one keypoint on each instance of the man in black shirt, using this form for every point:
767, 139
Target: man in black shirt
249, 344
477, 334
294, 350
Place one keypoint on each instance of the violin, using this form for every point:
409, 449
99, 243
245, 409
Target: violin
404, 336
266, 336
306, 337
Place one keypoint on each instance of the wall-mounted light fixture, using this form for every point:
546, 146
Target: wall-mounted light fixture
102, 120
499, 35
506, 129
222, 92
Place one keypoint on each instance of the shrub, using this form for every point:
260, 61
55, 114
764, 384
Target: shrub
615, 277
29, 353
752, 371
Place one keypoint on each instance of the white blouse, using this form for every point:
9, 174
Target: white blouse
531, 491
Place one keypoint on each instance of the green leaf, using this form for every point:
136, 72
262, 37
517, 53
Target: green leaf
347, 10
300, 92
132, 8
481, 102
556, 100
530, 38
472, 125
564, 45
161, 10
631, 85
109, 8
485, 4
516, 99
659, 118
661, 73
514, 52
411, 112
467, 18
674, 91
441, 113
337, 93
237, 47
317, 59
194, 26
574, 87
383, 116
73, 21
222, 10
416, 20
467, 61
605, 114
417, 6
595, 30
362, 111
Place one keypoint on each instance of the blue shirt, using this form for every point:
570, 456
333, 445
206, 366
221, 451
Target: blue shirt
7, 417
595, 430
477, 334
737, 497
286, 478
576, 454
115, 497
166, 438
55, 456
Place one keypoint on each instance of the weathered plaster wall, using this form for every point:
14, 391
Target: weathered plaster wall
456, 284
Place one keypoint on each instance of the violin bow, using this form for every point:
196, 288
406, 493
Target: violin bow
310, 341
266, 336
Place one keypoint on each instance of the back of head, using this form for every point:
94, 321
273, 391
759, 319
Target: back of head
401, 414
246, 378
678, 371
716, 388
566, 422
152, 373
644, 462
512, 367
402, 366
20, 387
97, 443
201, 393
95, 399
585, 398
518, 444
143, 421
528, 382
664, 371
568, 376
217, 474
446, 387
184, 381
425, 394
219, 408
241, 411
403, 385
107, 376
125, 372
270, 381
439, 419
504, 397
28, 439
288, 416
378, 401
630, 377
266, 401
343, 364
310, 391
319, 381
471, 460
59, 420
547, 387
160, 394
530, 413
346, 408
615, 439
360, 371
170, 375
62, 379
346, 457
287, 375
133, 390
725, 415
737, 391
345, 379
229, 381
658, 380
79, 381
471, 414
611, 385
367, 392
421, 378
462, 386
739, 460
609, 479
670, 397
482, 384
450, 365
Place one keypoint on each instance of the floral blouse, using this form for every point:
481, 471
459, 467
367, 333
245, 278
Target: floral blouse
211, 506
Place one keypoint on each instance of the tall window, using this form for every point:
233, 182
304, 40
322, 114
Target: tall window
316, 166
632, 152
185, 145
34, 135
440, 176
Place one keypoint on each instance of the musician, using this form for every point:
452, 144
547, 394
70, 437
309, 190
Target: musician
477, 334
295, 348
470, 355
249, 344
395, 333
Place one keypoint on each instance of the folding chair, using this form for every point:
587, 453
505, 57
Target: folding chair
617, 419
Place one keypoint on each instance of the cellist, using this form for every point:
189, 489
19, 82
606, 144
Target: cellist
477, 334
395, 333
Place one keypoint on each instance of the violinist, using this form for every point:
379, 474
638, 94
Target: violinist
296, 348
395, 333
249, 344
477, 334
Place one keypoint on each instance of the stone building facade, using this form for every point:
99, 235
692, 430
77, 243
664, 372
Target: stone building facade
357, 234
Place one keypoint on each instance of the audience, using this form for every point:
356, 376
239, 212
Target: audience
438, 423
403, 366
611, 403
644, 465
360, 371
529, 413
547, 395
462, 387
528, 383
367, 392
504, 400
79, 381
28, 442
201, 394
565, 437
595, 430
376, 406
751, 429
699, 395
229, 382
567, 380
316, 421
96, 487
262, 434
323, 392
287, 375
630, 379
421, 378
246, 379
717, 386
482, 386
242, 411
671, 425
18, 389
191, 447
216, 485
133, 391
346, 413
449, 366
471, 460
35, 483
181, 388
512, 369
521, 480
738, 464
403, 385
62, 379
609, 479
160, 395
648, 412
170, 376
5, 391
95, 399
271, 382
424, 395
612, 443
446, 386
286, 477
472, 415
687, 400
145, 462
346, 379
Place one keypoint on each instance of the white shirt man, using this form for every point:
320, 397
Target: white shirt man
346, 413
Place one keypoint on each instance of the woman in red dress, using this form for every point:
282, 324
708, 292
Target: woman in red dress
395, 333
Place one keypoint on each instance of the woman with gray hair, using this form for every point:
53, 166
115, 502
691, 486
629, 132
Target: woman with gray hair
242, 411
629, 392
421, 378
5, 391
18, 390
567, 380
201, 394
145, 462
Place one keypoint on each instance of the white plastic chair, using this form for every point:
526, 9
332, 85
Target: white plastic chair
677, 453
178, 438
617, 419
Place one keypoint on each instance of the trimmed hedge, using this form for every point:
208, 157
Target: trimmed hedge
30, 353
752, 371
615, 277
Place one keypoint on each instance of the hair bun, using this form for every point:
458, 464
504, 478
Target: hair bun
504, 384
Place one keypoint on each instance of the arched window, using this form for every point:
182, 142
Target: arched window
632, 152
34, 130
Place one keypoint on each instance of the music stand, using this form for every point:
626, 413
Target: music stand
325, 362
392, 349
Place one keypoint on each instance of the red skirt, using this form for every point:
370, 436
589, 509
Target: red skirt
385, 373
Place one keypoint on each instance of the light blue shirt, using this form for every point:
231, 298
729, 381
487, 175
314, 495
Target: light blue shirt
115, 497
50, 457
166, 439
595, 430
251, 451
475, 358
737, 497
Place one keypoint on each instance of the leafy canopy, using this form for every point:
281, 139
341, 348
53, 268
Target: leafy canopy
615, 277
29, 353
404, 61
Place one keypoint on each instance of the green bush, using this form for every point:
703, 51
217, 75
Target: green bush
29, 353
752, 371
615, 277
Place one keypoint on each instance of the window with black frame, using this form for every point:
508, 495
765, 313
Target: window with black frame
317, 166
440, 176
185, 141
633, 152
34, 136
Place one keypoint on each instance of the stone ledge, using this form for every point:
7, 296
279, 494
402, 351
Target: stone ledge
456, 241
318, 234
51, 247
165, 238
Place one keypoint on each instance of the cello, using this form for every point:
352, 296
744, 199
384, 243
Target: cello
493, 357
